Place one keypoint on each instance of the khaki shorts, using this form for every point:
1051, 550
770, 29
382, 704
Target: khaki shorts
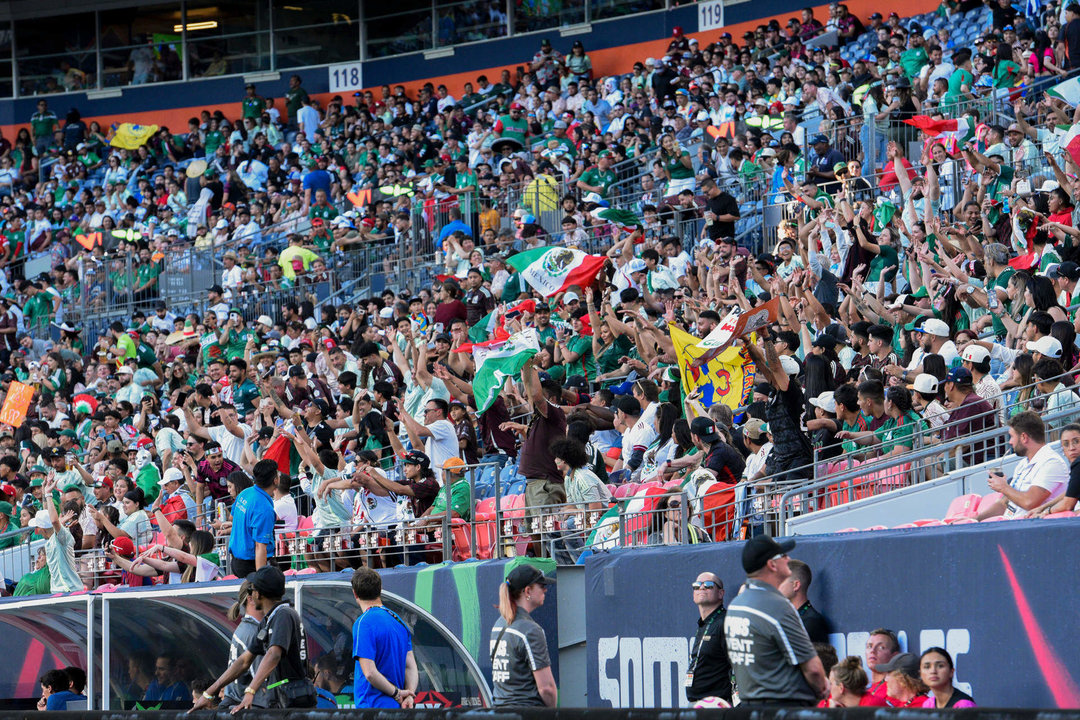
541, 491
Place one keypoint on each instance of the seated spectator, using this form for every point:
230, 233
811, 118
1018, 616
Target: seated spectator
1039, 477
847, 686
1060, 400
720, 459
165, 685
56, 692
936, 671
902, 681
881, 646
970, 415
666, 528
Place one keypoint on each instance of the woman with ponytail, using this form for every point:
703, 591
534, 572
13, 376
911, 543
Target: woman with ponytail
520, 667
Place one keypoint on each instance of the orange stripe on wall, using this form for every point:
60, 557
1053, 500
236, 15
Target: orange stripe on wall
611, 61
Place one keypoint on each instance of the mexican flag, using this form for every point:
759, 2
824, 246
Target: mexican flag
485, 328
961, 130
626, 220
883, 214
1069, 91
551, 270
497, 362
1071, 143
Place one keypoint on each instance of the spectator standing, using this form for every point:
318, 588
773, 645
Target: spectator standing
251, 540
59, 543
294, 100
1039, 477
280, 642
246, 610
545, 482
795, 589
520, 667
774, 661
386, 674
709, 672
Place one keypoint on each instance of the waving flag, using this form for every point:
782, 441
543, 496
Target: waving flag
551, 270
883, 214
961, 130
486, 327
1071, 143
497, 362
727, 378
624, 219
1068, 91
132, 137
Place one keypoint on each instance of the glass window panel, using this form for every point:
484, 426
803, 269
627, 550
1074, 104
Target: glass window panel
140, 25
530, 15
5, 54
207, 18
229, 55
399, 33
73, 34
153, 61
618, 8
297, 13
462, 22
317, 45
36, 639
55, 73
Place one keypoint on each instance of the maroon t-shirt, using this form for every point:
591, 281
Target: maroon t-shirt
447, 312
972, 417
536, 460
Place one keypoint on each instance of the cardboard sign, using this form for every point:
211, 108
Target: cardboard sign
16, 404
736, 325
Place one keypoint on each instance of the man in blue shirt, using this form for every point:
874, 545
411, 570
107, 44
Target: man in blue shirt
317, 179
251, 541
386, 674
56, 692
454, 226
165, 687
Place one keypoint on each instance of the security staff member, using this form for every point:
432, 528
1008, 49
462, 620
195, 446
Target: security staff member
774, 661
709, 673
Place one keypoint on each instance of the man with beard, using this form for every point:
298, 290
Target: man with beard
936, 341
1039, 477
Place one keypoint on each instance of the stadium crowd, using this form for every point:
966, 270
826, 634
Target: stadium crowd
919, 281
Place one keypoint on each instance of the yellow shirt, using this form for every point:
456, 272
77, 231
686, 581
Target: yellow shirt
294, 258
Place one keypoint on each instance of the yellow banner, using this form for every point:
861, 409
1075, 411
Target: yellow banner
131, 137
728, 378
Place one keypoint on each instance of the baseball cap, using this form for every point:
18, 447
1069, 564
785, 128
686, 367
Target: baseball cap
1069, 270
415, 457
704, 428
124, 547
171, 475
525, 575
1046, 345
759, 550
906, 663
104, 481
755, 429
41, 520
790, 364
297, 371
959, 375
570, 297
975, 353
825, 401
933, 326
819, 138
924, 383
636, 265
454, 463
322, 406
268, 580
265, 320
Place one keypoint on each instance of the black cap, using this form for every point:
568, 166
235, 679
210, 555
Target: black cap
217, 289
705, 429
442, 337
759, 550
825, 340
628, 405
577, 382
906, 663
1069, 270
415, 457
525, 575
297, 371
322, 406
269, 581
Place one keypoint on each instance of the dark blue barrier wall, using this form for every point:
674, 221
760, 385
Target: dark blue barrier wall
1002, 598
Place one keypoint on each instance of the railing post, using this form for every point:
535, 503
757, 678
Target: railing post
498, 513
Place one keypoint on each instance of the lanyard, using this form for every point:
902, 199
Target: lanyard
695, 652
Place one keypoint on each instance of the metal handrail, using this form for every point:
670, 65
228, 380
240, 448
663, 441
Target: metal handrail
788, 499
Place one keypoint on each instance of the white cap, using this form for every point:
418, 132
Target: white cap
790, 365
975, 353
124, 370
825, 401
636, 265
925, 383
265, 320
41, 520
570, 297
310, 324
386, 313
592, 198
1048, 186
171, 475
1047, 346
933, 326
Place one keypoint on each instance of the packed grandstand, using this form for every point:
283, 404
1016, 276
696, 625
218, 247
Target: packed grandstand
737, 287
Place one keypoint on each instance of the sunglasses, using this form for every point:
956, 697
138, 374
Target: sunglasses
706, 585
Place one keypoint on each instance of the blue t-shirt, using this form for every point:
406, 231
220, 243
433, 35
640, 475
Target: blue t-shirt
381, 636
453, 227
177, 692
317, 180
253, 521
60, 700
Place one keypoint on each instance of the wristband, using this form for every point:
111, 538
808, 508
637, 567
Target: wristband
208, 696
397, 692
